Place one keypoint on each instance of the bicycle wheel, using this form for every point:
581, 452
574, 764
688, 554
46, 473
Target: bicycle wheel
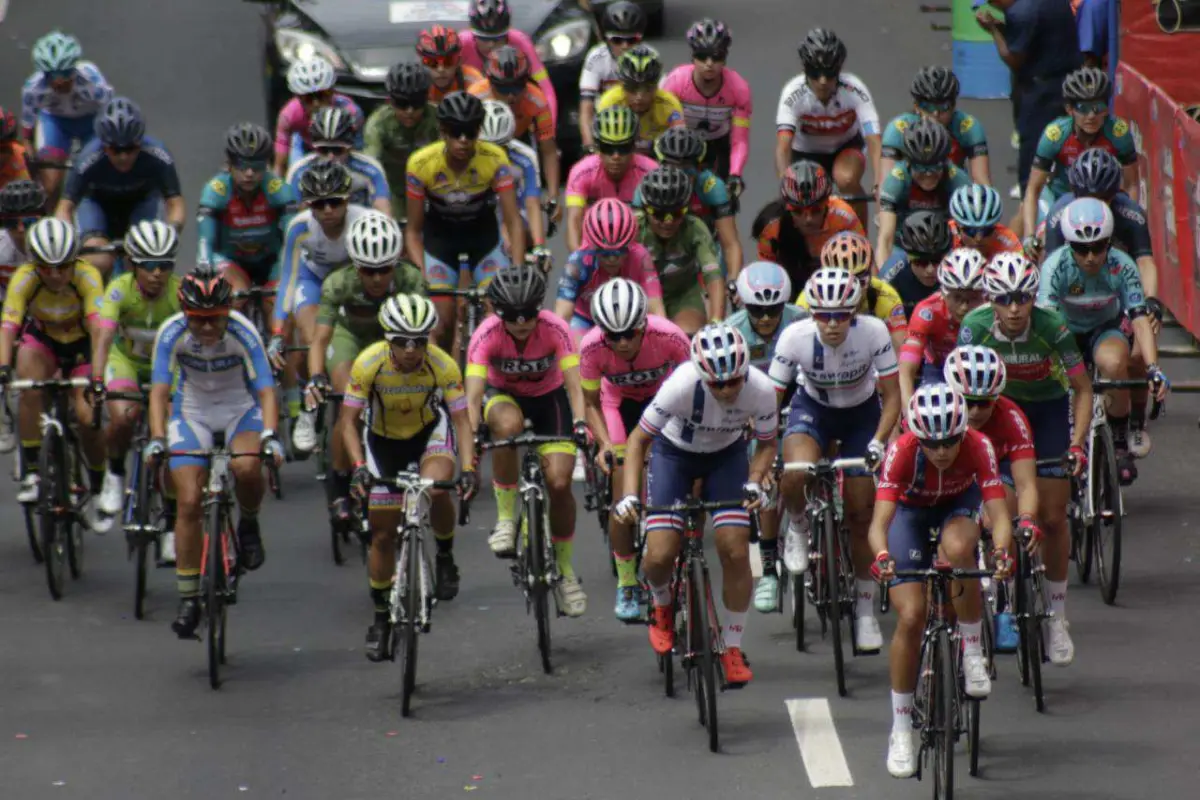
972, 710
798, 592
1082, 543
833, 599
214, 594
413, 607
144, 514
52, 503
703, 624
944, 720
1037, 645
1106, 524
539, 588
72, 529
29, 510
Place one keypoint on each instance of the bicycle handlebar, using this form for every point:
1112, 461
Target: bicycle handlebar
813, 467
116, 247
53, 384
405, 481
1105, 384
470, 294
254, 291
944, 571
694, 505
523, 439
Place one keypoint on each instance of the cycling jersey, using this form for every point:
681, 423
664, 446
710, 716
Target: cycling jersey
526, 174
58, 315
390, 143
13, 166
842, 376
588, 182
245, 230
763, 350
471, 57
531, 110
1131, 232
901, 195
710, 197
465, 78
685, 414
909, 479
458, 198
1038, 362
135, 317
94, 176
599, 72
1002, 240
899, 275
1089, 301
531, 368
664, 347
880, 301
583, 275
967, 139
294, 119
723, 115
345, 303
1009, 432
89, 93
309, 256
401, 404
11, 257
368, 182
932, 333
780, 242
1060, 145
691, 252
665, 112
826, 127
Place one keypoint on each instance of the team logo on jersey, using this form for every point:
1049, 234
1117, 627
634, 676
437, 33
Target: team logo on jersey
925, 313
898, 172
1120, 128
1053, 132
901, 124
218, 186
968, 122
710, 183
274, 186
965, 335
1075, 289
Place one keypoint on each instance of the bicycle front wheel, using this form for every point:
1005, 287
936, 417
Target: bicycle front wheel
73, 529
145, 513
944, 719
703, 625
833, 598
214, 594
414, 606
54, 497
1106, 524
536, 576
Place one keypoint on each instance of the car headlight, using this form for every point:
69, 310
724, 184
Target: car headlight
295, 45
564, 42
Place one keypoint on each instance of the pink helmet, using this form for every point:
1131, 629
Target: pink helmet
609, 225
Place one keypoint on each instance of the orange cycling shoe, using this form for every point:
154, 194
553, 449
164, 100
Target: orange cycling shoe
737, 671
662, 630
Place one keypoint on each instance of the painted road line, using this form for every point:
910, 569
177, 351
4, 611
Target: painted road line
820, 747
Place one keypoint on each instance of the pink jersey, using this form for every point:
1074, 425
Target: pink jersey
294, 119
588, 182
522, 42
583, 275
724, 114
664, 347
529, 369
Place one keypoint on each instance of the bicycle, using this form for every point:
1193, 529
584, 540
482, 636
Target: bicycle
466, 324
115, 248
255, 310
29, 510
340, 529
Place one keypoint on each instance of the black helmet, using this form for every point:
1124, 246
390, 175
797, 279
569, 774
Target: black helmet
331, 125
666, 188
680, 144
1087, 83
936, 84
926, 142
408, 80
822, 51
1096, 173
490, 17
205, 289
246, 141
325, 179
640, 64
624, 19
461, 108
517, 292
925, 236
805, 184
22, 197
709, 36
121, 124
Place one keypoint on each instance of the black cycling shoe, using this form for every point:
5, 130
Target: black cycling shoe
378, 637
1126, 469
250, 540
340, 511
447, 577
188, 618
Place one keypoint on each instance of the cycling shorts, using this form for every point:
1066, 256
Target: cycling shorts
716, 156
56, 135
113, 219
482, 246
343, 348
1120, 327
387, 457
262, 273
854, 426
308, 286
856, 146
620, 417
550, 415
691, 298
125, 374
672, 472
195, 431
73, 359
1050, 421
909, 539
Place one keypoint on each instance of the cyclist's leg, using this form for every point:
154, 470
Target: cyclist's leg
908, 542
621, 416
804, 440
959, 545
437, 463
35, 361
93, 223
74, 362
728, 471
504, 418
442, 276
54, 148
551, 416
849, 166
189, 475
687, 310
244, 435
385, 504
1111, 354
239, 280
669, 478
303, 316
122, 374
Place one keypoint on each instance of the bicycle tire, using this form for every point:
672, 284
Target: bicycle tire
142, 515
1080, 552
945, 721
1106, 527
52, 500
72, 529
412, 614
704, 623
798, 595
1037, 645
31, 532
214, 596
1087, 544
833, 596
973, 709
535, 554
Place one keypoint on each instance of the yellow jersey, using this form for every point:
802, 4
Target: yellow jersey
463, 196
60, 315
665, 112
400, 404
881, 301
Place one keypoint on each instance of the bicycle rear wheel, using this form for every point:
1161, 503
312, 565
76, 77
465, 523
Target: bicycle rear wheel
413, 607
703, 624
52, 504
214, 594
538, 586
1106, 524
944, 719
798, 595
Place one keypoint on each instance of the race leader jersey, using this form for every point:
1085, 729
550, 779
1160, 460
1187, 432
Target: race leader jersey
1009, 432
838, 377
529, 368
1060, 145
455, 198
308, 246
1038, 362
685, 413
89, 93
345, 303
908, 478
401, 404
135, 317
664, 347
763, 350
1089, 301
60, 315
245, 229
665, 112
588, 182
967, 139
932, 332
228, 374
826, 127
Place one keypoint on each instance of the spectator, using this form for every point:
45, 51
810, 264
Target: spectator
1091, 18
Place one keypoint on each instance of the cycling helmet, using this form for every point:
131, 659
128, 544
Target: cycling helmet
460, 108
609, 225
822, 51
615, 125
438, 42
1087, 83
246, 141
720, 353
666, 188
849, 251
407, 315
709, 36
937, 411
1095, 173
490, 17
56, 52
833, 289
962, 268
374, 241
499, 123
1007, 273
8, 125
975, 372
52, 241
640, 65
936, 84
151, 240
518, 288
205, 291
926, 236
764, 283
680, 144
408, 81
310, 76
976, 206
22, 197
1087, 220
120, 124
926, 142
805, 184
624, 19
331, 125
619, 305
324, 180
507, 66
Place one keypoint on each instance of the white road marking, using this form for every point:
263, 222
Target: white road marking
817, 738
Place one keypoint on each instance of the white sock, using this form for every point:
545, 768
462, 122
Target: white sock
735, 625
1058, 598
662, 594
902, 705
864, 605
972, 637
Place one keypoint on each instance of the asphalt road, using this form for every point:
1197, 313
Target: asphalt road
95, 704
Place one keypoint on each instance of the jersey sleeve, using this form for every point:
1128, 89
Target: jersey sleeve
373, 133
114, 298
883, 354
162, 368
372, 170
579, 181
589, 76
706, 252
786, 361
1049, 146
987, 470
647, 273
502, 178
167, 174
362, 378
667, 402
289, 263
564, 342
1132, 228
90, 286
893, 140
29, 109
970, 134
893, 195
1049, 294
919, 331
479, 350
956, 179
897, 472
20, 289
332, 297
1129, 281
868, 115
1122, 141
1020, 434
1064, 343
574, 275
766, 409
591, 351
450, 381
785, 112
258, 369
889, 307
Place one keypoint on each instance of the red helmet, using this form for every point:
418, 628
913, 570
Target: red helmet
507, 66
205, 291
609, 225
438, 42
806, 183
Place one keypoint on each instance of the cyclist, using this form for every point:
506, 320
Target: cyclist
21, 204
14, 165
311, 82
827, 116
639, 70
933, 329
210, 379
440, 50
717, 102
491, 29
61, 100
404, 124
846, 369
924, 181
244, 213
499, 128
622, 363
793, 230
457, 178
623, 25
1097, 289
134, 305
332, 134
120, 178
694, 429
347, 324
398, 386
522, 365
975, 212
49, 314
978, 374
609, 252
1086, 94
913, 271
683, 250
614, 170
935, 477
1042, 360
935, 95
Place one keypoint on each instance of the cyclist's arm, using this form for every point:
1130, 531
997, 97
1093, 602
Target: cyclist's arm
8, 336
875, 156
887, 221
289, 260
102, 339
587, 113
316, 348
65, 210
574, 387
656, 306
1024, 474
1002, 532
763, 461
511, 215
783, 151
1038, 178
731, 246
349, 418
909, 370
1130, 180
268, 401
1081, 389
475, 385
414, 231
160, 402
1148, 271
881, 520
548, 150
536, 220
1143, 337
208, 233
595, 417
575, 225
176, 212
635, 456
980, 170
889, 390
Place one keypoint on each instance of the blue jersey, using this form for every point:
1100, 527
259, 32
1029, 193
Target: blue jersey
230, 373
710, 197
1090, 301
89, 93
95, 176
762, 351
368, 181
246, 230
1130, 230
528, 178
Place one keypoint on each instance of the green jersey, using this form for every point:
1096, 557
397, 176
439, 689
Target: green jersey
135, 316
345, 304
390, 143
1038, 362
690, 252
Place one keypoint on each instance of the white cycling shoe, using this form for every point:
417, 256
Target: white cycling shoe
304, 434
978, 683
868, 638
503, 540
112, 495
166, 549
1139, 442
1060, 646
795, 549
901, 760
579, 474
570, 597
29, 488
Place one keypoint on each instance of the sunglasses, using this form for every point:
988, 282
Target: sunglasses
796, 208
408, 103
331, 149
623, 39
408, 342
492, 38
732, 383
13, 223
207, 319
618, 252
327, 203
823, 73
249, 166
55, 267
122, 150
623, 336
156, 266
716, 58
942, 444
1090, 248
615, 149
832, 317
762, 312
518, 315
936, 108
440, 62
926, 169
980, 402
978, 232
377, 270
923, 263
461, 131
59, 74
1093, 107
1011, 298
667, 214
317, 97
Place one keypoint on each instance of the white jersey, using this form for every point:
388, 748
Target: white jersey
11, 257
685, 413
307, 240
599, 72
826, 127
89, 93
838, 377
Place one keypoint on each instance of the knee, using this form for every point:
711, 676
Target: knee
910, 619
734, 553
559, 485
248, 471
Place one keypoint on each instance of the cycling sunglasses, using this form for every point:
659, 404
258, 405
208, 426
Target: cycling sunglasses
1089, 248
331, 149
1091, 107
408, 103
121, 150
59, 74
831, 74
155, 266
707, 55
667, 214
377, 270
518, 315
923, 263
936, 108
623, 336
615, 149
623, 39
509, 90
408, 342
619, 252
1010, 298
455, 131
762, 312
252, 166
832, 317
980, 402
317, 97
440, 62
978, 231
926, 169
942, 444
41, 265
631, 88
12, 223
732, 383
326, 203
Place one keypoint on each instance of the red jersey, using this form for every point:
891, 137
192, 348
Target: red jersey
932, 332
909, 479
1002, 240
1009, 432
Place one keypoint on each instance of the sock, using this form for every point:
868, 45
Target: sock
247, 514
117, 466
506, 501
445, 542
563, 550
188, 582
379, 598
735, 625
1137, 416
292, 398
864, 604
341, 484
31, 454
96, 479
768, 549
1058, 598
902, 705
972, 637
662, 595
626, 570
1120, 429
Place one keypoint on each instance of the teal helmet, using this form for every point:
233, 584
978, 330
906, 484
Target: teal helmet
976, 206
56, 52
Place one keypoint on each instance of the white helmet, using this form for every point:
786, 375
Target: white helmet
499, 123
962, 268
720, 353
833, 289
619, 305
1008, 273
52, 241
407, 315
310, 76
151, 240
374, 241
1087, 220
975, 371
764, 283
937, 411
